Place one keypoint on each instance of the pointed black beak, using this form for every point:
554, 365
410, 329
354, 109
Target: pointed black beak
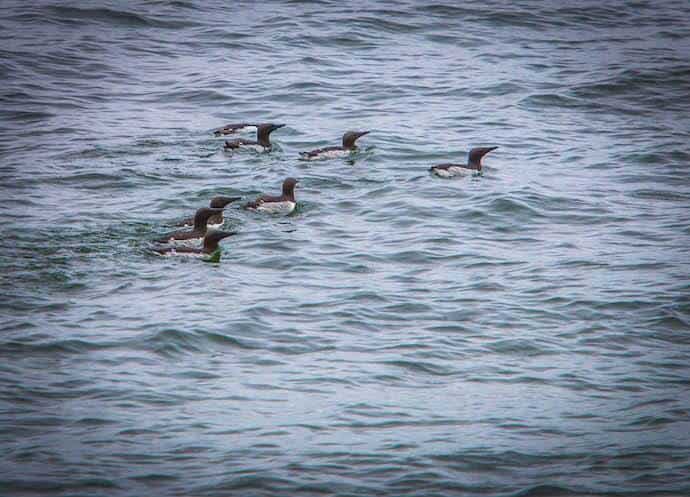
276, 126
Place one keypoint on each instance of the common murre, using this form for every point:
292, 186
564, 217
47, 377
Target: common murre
262, 142
231, 129
215, 220
198, 231
346, 149
474, 163
281, 204
209, 245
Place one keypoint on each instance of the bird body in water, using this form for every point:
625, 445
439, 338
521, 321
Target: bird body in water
280, 204
474, 163
262, 142
345, 150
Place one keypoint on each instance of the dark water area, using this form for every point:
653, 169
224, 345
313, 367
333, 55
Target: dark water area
525, 332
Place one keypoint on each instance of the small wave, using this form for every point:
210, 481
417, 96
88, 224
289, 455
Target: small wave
521, 347
50, 348
115, 17
25, 116
421, 367
517, 206
66, 485
174, 342
546, 491
447, 11
374, 24
666, 195
191, 96
548, 100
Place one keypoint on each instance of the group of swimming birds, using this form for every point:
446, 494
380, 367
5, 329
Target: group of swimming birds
284, 203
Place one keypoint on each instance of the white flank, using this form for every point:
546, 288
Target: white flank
452, 171
211, 226
173, 253
329, 154
276, 207
190, 242
254, 148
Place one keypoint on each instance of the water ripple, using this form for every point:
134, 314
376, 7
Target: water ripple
522, 332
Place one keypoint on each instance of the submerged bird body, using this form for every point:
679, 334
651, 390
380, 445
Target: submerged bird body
450, 170
209, 245
215, 220
345, 150
198, 231
280, 204
262, 142
231, 129
325, 153
474, 164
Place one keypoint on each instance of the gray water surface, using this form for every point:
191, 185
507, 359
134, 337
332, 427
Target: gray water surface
521, 333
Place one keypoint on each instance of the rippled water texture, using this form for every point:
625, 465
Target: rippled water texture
521, 333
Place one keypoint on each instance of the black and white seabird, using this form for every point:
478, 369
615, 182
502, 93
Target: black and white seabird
348, 147
474, 163
262, 142
198, 231
215, 220
281, 204
209, 245
231, 129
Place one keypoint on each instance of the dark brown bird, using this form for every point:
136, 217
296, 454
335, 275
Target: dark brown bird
474, 163
348, 147
198, 231
280, 204
216, 219
209, 245
262, 142
231, 129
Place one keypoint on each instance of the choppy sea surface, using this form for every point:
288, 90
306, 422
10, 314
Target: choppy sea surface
521, 333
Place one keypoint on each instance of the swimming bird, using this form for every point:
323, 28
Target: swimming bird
281, 204
209, 245
262, 142
198, 231
215, 220
231, 129
348, 147
474, 163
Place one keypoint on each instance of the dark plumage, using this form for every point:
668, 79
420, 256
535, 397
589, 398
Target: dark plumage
263, 131
348, 145
198, 231
216, 203
284, 202
209, 245
231, 129
474, 163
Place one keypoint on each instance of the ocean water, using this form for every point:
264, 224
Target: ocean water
521, 333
